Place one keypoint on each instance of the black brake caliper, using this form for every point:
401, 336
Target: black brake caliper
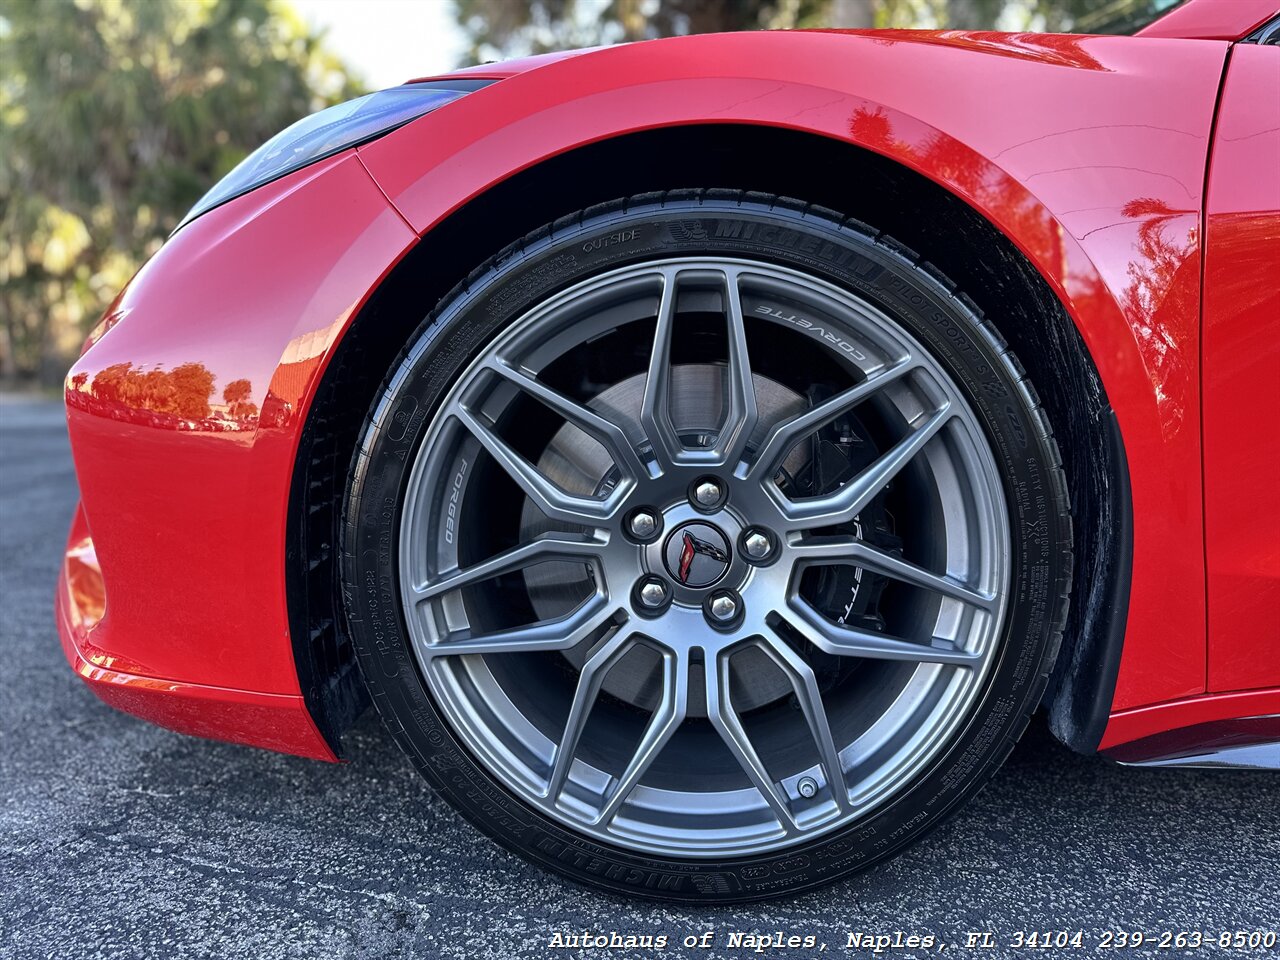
837, 453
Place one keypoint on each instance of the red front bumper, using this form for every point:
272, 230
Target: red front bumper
274, 721
184, 419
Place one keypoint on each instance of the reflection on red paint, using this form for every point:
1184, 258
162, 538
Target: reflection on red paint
1060, 49
84, 582
109, 320
1162, 298
178, 399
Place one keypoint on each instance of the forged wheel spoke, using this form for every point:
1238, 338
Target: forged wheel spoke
581, 416
740, 412
847, 502
655, 406
725, 720
662, 725
805, 685
785, 435
549, 498
844, 641
562, 634
584, 697
830, 551
535, 551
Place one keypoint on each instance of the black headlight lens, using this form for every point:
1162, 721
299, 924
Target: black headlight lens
331, 131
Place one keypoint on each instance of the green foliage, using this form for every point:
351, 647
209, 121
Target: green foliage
505, 28
114, 118
496, 29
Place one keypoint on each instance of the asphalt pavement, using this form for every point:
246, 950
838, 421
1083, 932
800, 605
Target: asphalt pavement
118, 839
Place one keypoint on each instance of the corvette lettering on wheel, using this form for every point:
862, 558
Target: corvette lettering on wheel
707, 472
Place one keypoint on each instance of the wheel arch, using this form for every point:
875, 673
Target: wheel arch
915, 211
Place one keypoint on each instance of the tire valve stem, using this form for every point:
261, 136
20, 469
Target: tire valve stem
807, 787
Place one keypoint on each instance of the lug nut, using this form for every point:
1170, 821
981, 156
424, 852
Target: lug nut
723, 609
707, 493
651, 592
807, 787
643, 524
757, 544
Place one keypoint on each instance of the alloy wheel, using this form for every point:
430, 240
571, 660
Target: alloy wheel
704, 557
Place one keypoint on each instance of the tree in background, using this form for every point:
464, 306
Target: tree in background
114, 119
496, 29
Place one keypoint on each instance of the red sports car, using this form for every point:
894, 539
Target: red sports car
708, 453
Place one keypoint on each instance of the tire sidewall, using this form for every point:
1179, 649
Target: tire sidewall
844, 254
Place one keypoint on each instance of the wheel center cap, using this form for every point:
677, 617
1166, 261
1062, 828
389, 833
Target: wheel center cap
697, 554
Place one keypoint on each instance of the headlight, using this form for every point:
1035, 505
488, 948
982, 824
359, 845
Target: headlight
331, 131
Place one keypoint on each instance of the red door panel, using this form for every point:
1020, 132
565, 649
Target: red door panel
1241, 376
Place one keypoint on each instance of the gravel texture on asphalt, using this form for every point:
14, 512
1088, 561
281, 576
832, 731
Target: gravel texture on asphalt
118, 839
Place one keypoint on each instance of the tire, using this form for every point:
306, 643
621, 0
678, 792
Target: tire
995, 449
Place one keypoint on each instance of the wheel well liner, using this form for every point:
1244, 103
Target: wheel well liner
913, 210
